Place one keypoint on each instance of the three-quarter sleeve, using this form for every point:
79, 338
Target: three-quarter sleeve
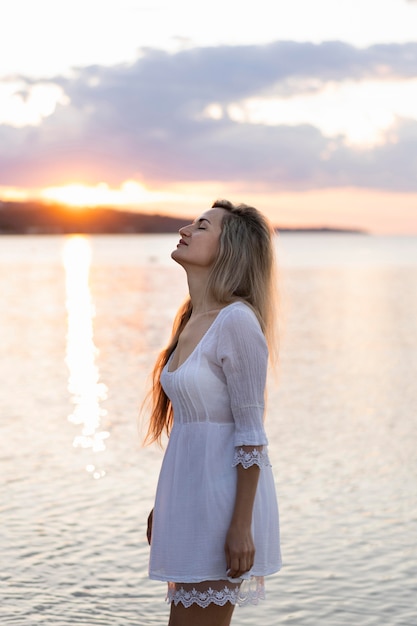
243, 354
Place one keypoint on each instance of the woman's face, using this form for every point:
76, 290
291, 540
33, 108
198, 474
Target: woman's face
199, 243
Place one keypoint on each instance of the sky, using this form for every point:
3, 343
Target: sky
307, 110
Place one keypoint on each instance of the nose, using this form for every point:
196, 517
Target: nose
184, 231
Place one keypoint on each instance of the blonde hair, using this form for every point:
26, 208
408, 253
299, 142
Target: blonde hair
244, 270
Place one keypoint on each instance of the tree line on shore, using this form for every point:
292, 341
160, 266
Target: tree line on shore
38, 218
33, 218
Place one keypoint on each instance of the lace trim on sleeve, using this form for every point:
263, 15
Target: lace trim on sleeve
247, 458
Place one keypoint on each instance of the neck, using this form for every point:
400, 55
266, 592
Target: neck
201, 301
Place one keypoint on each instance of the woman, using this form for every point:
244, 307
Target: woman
214, 529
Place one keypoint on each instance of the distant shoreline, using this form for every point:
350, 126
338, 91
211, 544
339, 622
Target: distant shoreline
35, 218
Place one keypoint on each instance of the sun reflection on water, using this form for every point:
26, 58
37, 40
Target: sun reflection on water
84, 379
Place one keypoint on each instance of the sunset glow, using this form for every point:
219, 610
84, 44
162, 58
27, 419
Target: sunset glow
80, 195
311, 118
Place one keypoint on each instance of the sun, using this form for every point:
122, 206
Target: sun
78, 195
131, 194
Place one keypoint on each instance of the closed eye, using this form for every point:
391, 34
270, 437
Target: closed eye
201, 223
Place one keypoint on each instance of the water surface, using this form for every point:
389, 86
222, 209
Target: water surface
81, 322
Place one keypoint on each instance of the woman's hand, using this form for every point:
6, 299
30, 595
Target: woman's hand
149, 528
240, 550
239, 546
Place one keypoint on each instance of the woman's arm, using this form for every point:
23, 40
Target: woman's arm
239, 546
243, 354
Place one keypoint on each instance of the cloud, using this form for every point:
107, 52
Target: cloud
145, 120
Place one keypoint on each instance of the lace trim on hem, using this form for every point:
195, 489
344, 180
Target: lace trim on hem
249, 592
252, 457
203, 598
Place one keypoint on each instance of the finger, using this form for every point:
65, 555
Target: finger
237, 572
234, 569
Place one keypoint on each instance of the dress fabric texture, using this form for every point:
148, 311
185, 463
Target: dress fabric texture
218, 400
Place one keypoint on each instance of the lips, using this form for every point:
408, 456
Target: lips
182, 243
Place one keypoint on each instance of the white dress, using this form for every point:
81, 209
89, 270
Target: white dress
218, 400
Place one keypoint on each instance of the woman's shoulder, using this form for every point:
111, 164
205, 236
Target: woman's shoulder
238, 310
238, 315
239, 332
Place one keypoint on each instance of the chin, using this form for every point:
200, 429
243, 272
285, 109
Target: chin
174, 256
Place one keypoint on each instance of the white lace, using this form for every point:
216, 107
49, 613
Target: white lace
203, 598
251, 457
249, 592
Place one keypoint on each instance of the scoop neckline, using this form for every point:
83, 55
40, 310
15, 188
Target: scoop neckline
198, 344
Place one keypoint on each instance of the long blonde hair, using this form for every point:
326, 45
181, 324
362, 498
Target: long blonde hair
244, 270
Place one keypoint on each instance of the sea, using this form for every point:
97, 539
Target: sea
82, 319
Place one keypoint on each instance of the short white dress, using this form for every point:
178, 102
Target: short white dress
218, 400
